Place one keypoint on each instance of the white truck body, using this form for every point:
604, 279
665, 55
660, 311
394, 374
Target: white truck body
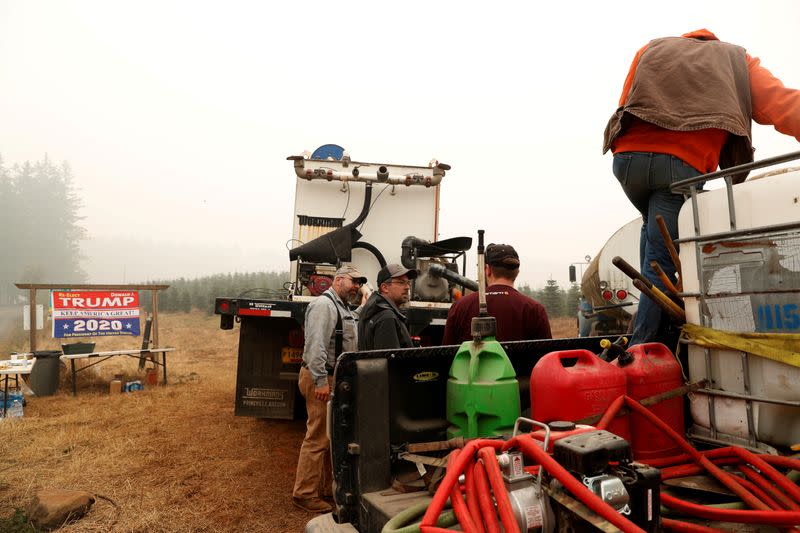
398, 210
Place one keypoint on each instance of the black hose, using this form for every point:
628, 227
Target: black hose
407, 256
371, 248
365, 208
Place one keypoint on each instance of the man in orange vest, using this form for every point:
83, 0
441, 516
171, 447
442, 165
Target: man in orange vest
687, 106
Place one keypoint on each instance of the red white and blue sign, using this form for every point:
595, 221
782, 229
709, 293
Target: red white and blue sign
94, 313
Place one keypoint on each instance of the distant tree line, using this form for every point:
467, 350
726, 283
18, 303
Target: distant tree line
557, 301
40, 229
183, 294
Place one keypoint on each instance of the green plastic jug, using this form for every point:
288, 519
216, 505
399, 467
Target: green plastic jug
482, 391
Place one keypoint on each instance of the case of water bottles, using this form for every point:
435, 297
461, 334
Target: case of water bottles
14, 404
132, 386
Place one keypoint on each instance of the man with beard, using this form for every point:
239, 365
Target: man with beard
330, 329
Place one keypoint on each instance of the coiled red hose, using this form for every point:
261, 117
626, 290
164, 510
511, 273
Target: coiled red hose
770, 517
712, 469
484, 476
472, 496
499, 490
457, 500
759, 516
455, 468
486, 506
757, 479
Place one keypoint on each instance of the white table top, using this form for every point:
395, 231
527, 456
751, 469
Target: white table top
20, 366
116, 352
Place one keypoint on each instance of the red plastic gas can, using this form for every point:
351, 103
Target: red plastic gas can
573, 384
654, 370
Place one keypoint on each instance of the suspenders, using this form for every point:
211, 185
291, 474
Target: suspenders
339, 332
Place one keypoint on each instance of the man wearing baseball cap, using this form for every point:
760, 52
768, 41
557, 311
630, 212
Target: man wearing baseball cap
330, 329
518, 316
382, 324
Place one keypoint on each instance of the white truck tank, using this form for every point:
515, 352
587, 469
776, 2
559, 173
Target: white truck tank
747, 282
611, 293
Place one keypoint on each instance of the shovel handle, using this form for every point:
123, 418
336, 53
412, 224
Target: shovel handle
662, 300
664, 278
673, 253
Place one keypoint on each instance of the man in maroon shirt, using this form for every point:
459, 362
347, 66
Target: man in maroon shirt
518, 316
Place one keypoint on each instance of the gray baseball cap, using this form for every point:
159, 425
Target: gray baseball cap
350, 270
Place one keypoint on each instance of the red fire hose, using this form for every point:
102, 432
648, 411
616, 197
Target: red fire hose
455, 469
473, 502
486, 507
457, 501
489, 458
763, 515
714, 470
766, 486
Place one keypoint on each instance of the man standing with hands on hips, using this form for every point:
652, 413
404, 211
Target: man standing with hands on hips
330, 329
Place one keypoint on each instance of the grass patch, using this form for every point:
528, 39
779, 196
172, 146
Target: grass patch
17, 523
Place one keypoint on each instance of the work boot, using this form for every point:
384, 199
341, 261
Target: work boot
312, 505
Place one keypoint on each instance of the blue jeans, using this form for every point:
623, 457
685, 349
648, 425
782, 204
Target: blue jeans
645, 178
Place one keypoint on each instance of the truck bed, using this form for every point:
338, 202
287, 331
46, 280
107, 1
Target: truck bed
387, 398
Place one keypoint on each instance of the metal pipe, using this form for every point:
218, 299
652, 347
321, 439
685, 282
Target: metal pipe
481, 277
680, 186
407, 257
438, 270
383, 174
739, 396
729, 235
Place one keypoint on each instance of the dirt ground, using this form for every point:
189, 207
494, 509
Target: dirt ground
170, 459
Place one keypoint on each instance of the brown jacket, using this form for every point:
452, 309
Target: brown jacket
690, 84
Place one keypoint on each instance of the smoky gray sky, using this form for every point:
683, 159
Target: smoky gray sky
177, 117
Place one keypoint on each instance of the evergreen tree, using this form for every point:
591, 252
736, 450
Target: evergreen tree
526, 290
184, 300
40, 221
9, 214
552, 298
572, 299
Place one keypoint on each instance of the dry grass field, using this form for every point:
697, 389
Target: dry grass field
171, 459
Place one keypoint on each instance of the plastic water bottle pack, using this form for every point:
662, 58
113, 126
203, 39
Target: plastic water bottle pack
14, 404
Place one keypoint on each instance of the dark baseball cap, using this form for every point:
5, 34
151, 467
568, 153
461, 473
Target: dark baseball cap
502, 255
394, 270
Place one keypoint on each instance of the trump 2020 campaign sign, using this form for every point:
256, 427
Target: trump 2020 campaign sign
94, 313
